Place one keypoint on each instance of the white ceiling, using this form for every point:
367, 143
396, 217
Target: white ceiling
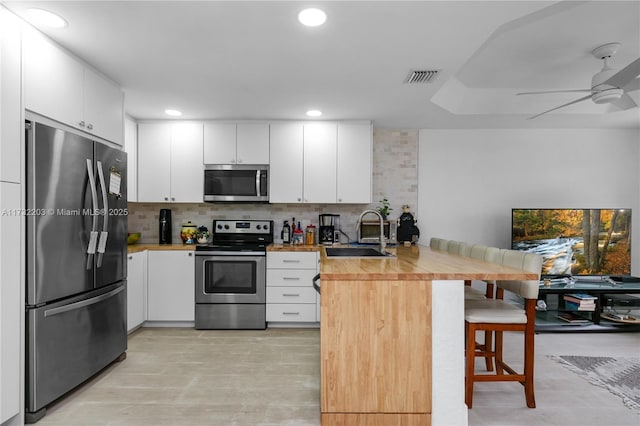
253, 60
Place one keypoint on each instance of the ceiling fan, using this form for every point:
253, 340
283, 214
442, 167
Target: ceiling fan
607, 86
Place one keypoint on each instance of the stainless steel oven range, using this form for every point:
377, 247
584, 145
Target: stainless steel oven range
231, 275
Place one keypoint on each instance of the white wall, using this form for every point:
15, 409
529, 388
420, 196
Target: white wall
469, 180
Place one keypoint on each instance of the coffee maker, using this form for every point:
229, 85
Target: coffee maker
329, 228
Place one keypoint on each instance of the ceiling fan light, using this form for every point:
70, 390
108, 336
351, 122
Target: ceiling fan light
608, 95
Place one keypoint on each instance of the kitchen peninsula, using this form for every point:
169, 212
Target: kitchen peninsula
392, 336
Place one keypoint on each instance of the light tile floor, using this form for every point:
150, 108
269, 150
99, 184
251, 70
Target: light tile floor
208, 377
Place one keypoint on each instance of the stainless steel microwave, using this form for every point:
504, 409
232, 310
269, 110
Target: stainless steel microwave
369, 232
234, 182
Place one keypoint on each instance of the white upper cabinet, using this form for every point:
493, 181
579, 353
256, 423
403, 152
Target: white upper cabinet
187, 172
320, 163
354, 163
219, 143
52, 79
236, 143
61, 87
103, 107
252, 143
170, 167
285, 166
154, 162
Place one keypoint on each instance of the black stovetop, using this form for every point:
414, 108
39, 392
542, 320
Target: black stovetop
239, 235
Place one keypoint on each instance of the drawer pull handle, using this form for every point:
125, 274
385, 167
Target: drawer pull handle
290, 261
291, 294
291, 313
291, 278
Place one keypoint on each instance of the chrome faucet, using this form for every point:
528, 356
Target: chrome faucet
383, 243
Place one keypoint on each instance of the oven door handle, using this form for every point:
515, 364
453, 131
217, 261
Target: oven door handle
316, 283
230, 253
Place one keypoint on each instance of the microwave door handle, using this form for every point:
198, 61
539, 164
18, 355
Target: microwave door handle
258, 182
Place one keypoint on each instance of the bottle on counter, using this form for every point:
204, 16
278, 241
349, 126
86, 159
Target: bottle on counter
285, 234
310, 235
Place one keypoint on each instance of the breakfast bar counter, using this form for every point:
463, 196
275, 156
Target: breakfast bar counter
392, 336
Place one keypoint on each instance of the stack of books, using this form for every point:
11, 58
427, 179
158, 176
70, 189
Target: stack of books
580, 302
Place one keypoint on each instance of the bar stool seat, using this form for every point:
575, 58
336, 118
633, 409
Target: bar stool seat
494, 311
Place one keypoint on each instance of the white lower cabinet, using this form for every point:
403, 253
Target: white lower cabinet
136, 289
171, 286
290, 293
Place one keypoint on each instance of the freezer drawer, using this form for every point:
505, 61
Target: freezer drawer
71, 340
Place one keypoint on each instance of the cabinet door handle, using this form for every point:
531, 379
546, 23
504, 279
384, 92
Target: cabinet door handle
190, 254
290, 261
90, 126
166, 198
130, 257
291, 278
291, 294
291, 313
299, 199
81, 124
173, 198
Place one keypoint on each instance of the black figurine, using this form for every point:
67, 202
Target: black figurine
407, 229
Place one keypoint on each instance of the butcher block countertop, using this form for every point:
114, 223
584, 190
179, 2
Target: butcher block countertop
135, 248
392, 331
291, 247
417, 263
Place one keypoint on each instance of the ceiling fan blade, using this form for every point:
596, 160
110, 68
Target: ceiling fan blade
632, 85
562, 106
625, 75
625, 102
554, 91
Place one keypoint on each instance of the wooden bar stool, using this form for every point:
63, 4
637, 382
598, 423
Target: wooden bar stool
497, 316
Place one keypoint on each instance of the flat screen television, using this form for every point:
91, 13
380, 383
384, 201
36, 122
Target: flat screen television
575, 241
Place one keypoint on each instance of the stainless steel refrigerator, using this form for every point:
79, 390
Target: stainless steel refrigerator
76, 262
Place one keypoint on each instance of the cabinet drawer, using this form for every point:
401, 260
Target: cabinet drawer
291, 295
291, 312
292, 260
290, 277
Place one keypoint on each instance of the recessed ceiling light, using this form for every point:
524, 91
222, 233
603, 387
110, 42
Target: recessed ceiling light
173, 112
312, 17
44, 17
314, 113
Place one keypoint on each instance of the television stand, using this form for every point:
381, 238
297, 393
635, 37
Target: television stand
612, 294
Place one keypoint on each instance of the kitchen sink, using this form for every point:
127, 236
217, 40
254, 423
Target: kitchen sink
355, 252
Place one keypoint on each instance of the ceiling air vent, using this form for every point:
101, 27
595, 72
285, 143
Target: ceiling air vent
421, 76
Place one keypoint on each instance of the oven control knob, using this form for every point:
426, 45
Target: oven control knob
226, 227
219, 226
266, 227
258, 227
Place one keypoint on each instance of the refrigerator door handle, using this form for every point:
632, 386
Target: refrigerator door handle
93, 236
102, 242
83, 303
